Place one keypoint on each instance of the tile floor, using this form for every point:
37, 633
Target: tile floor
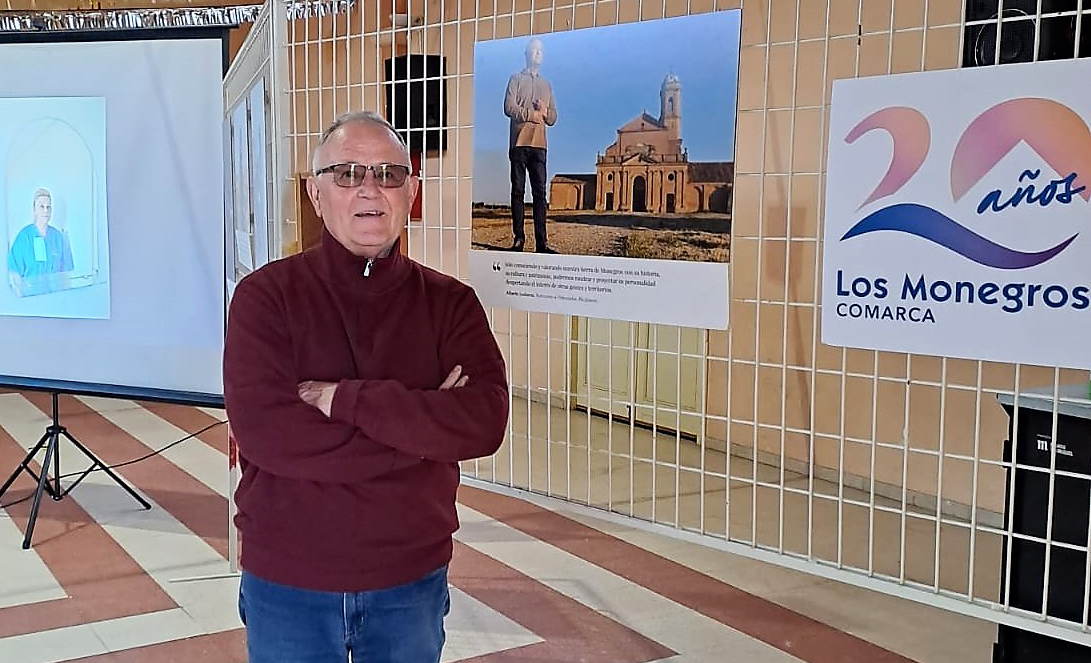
533, 580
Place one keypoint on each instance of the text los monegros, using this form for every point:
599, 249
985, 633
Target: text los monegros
917, 291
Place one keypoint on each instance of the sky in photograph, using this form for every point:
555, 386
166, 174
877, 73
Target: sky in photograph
604, 77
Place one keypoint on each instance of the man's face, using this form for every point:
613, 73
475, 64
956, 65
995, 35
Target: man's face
368, 218
534, 53
43, 210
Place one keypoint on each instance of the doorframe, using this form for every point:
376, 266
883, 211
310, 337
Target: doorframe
638, 395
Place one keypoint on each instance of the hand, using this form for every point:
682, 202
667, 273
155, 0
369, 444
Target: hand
455, 379
537, 117
319, 394
537, 104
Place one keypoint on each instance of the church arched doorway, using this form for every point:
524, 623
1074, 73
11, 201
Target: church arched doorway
640, 194
720, 200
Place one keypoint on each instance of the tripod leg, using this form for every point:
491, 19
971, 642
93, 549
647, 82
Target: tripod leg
23, 465
49, 451
56, 492
95, 459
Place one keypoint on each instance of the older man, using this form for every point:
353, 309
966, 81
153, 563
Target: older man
355, 381
39, 249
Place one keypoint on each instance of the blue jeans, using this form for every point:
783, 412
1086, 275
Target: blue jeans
398, 625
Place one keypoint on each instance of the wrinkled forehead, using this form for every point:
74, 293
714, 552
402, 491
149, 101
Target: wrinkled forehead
365, 143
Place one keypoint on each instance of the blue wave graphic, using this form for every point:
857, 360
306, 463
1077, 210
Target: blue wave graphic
935, 226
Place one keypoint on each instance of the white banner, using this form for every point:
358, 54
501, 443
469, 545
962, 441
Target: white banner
957, 210
673, 292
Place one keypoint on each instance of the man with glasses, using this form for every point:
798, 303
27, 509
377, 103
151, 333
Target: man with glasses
39, 251
355, 380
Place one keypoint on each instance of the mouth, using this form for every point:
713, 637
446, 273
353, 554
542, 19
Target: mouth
369, 214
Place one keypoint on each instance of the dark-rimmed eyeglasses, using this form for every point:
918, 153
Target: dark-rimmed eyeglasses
351, 175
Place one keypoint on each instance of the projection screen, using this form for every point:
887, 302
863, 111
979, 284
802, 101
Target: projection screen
112, 214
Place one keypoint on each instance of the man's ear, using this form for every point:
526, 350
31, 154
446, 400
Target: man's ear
314, 194
414, 184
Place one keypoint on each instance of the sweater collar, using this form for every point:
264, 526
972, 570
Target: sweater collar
362, 275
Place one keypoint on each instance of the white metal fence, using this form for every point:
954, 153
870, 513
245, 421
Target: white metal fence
880, 469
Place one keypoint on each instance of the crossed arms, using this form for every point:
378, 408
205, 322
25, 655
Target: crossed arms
351, 430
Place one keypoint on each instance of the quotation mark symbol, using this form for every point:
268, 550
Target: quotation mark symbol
497, 266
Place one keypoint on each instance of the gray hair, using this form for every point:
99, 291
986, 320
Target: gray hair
354, 117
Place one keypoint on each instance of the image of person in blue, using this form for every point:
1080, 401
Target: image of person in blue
39, 249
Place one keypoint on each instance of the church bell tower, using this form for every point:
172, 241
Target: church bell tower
670, 111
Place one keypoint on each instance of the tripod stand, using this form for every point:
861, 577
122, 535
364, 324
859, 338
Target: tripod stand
51, 441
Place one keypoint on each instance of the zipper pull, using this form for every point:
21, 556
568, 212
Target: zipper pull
367, 268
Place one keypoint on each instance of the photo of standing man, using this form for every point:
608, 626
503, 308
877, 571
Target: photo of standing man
529, 104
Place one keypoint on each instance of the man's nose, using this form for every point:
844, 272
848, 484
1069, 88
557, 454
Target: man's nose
369, 188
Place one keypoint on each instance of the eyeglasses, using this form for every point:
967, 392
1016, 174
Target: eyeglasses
351, 175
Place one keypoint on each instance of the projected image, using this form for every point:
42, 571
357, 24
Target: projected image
40, 249
54, 192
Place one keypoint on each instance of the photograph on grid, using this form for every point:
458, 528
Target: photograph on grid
54, 192
611, 141
248, 205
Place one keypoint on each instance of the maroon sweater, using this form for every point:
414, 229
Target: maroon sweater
365, 498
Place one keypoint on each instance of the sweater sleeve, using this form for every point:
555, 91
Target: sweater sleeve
274, 428
551, 109
444, 426
512, 108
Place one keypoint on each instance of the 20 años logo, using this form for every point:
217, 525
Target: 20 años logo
1054, 131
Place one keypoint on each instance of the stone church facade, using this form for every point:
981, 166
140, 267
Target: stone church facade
647, 170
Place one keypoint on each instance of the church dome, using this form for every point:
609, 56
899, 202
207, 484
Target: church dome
671, 78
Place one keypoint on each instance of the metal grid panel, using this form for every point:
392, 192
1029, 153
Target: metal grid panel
880, 469
254, 61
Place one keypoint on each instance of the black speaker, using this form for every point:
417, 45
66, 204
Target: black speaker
416, 99
1018, 646
1071, 493
1029, 514
1056, 38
